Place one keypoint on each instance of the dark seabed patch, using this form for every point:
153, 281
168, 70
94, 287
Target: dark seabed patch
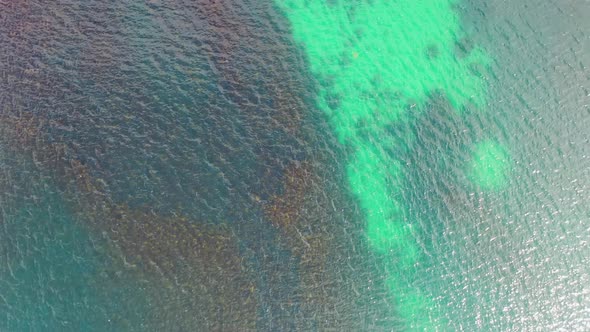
164, 135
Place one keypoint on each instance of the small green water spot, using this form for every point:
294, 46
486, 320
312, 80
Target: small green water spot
412, 306
490, 166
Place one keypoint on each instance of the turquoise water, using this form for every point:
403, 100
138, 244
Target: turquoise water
55, 274
294, 165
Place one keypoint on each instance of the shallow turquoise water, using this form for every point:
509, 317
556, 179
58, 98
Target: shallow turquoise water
182, 165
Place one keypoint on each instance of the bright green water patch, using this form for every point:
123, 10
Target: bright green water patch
378, 62
490, 166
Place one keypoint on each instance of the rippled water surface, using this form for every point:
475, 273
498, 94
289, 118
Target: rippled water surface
176, 165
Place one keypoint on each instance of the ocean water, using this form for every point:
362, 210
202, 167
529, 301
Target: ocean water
294, 165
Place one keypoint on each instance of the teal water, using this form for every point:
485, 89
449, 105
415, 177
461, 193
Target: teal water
294, 165
55, 275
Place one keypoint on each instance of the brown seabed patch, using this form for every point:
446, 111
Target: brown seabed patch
301, 214
196, 276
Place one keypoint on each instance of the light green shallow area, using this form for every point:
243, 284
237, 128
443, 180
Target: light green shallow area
377, 63
490, 165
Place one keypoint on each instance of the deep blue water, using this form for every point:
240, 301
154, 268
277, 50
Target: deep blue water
163, 167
